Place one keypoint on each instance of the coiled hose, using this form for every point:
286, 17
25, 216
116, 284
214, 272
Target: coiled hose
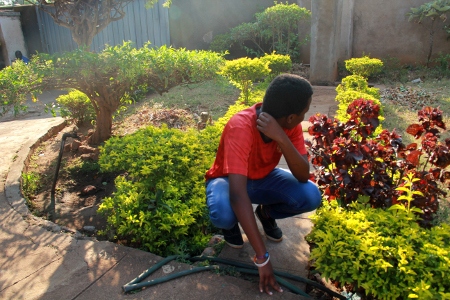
137, 283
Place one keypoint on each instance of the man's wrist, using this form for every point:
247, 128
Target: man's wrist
261, 261
264, 256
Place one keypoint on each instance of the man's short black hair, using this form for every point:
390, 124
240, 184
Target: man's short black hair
287, 94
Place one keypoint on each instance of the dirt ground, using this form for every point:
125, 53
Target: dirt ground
75, 206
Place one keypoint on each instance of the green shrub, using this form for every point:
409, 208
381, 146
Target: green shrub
355, 87
160, 204
275, 29
279, 25
255, 97
76, 106
345, 98
364, 66
277, 64
221, 43
232, 110
385, 252
359, 84
243, 72
249, 37
16, 83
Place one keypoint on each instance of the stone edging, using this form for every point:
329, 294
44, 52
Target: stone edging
13, 179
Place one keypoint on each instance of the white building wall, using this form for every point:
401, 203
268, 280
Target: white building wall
11, 36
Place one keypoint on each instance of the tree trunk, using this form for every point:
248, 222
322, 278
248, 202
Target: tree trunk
103, 127
83, 39
85, 18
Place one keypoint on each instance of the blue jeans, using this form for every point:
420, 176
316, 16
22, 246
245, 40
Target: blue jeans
280, 192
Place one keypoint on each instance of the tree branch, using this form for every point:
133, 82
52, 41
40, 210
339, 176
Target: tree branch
85, 18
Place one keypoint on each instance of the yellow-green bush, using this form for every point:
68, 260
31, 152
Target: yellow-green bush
76, 106
243, 72
364, 66
277, 63
345, 98
16, 83
355, 87
232, 110
383, 251
160, 203
359, 84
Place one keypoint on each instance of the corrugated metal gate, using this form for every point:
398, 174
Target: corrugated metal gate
139, 26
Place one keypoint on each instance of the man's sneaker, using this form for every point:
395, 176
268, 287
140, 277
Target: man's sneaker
271, 229
233, 237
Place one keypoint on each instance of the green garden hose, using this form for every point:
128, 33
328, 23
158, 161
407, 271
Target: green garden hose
240, 267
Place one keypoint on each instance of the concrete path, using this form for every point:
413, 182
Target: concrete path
40, 260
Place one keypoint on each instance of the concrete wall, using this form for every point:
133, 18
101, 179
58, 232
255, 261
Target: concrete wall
11, 37
381, 29
30, 29
325, 42
388, 32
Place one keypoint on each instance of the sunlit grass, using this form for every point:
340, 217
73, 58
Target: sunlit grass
213, 96
399, 117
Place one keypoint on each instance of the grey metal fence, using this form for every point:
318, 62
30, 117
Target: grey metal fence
139, 26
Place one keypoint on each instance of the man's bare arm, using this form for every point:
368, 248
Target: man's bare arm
243, 209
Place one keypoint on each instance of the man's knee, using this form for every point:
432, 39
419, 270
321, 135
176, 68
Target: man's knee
220, 212
223, 221
314, 196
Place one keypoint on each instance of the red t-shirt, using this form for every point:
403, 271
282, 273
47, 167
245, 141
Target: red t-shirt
243, 151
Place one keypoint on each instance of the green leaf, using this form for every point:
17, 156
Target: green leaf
397, 207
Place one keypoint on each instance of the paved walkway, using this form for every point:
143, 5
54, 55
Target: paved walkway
38, 260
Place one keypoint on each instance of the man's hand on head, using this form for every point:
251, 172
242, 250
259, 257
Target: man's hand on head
269, 126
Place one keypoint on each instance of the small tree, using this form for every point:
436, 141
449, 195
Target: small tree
248, 32
275, 29
85, 19
433, 10
243, 72
280, 26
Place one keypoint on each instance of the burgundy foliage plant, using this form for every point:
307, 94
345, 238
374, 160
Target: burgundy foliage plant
350, 162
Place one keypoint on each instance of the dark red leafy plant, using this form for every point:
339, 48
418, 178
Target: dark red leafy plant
350, 162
